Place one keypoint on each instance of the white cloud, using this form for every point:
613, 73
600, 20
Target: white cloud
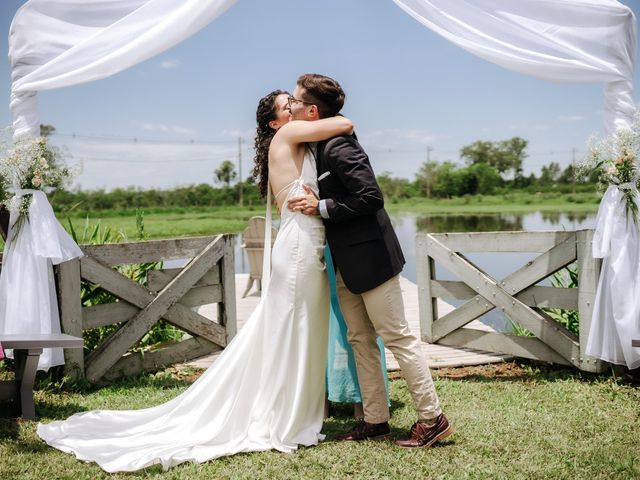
235, 133
164, 128
394, 137
170, 64
570, 118
111, 164
526, 128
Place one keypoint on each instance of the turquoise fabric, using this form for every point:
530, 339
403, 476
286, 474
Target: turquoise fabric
342, 378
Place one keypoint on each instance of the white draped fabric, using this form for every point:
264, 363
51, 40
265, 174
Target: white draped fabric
616, 318
28, 302
561, 40
58, 43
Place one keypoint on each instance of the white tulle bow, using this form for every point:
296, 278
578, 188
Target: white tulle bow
28, 300
616, 313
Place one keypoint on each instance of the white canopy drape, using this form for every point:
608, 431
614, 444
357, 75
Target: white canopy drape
562, 40
58, 43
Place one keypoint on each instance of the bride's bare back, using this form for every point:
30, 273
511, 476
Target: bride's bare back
286, 152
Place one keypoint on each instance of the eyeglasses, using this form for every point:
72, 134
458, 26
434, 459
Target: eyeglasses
291, 100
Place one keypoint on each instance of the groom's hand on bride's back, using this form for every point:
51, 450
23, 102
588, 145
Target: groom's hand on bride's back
307, 204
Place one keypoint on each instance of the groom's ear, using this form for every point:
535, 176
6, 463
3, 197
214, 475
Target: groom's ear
313, 113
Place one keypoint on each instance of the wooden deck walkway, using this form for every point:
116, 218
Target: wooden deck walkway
438, 356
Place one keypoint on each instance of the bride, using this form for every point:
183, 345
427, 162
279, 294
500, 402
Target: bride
266, 390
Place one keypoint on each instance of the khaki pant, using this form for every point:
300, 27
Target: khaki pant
380, 311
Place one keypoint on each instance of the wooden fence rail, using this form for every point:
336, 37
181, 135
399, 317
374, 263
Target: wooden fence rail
518, 295
170, 294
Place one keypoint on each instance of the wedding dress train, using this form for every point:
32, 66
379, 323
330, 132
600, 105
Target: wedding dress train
265, 391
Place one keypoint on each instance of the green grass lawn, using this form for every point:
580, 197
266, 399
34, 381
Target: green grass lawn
516, 202
171, 223
179, 222
521, 423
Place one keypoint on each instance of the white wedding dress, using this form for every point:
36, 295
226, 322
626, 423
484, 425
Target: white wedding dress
265, 391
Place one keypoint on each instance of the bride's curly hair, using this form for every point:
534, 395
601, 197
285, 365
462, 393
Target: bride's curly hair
264, 133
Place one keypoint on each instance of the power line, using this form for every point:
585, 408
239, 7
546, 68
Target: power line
141, 140
248, 148
118, 160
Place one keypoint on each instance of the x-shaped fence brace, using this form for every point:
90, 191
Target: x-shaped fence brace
151, 307
491, 293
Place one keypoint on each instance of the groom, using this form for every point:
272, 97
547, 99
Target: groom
368, 262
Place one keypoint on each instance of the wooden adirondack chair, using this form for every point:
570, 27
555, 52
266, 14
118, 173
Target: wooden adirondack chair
253, 243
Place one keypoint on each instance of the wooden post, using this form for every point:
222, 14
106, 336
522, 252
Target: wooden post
70, 308
427, 304
227, 308
588, 274
4, 222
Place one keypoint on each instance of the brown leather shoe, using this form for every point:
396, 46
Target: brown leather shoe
425, 434
366, 431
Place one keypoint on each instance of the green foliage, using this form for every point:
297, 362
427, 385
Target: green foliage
519, 330
225, 173
425, 178
504, 156
131, 198
47, 130
92, 294
566, 278
394, 188
446, 180
550, 174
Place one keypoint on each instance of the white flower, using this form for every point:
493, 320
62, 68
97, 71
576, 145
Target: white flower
612, 170
14, 205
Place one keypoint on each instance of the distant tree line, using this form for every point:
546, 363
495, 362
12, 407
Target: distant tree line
202, 195
484, 168
488, 168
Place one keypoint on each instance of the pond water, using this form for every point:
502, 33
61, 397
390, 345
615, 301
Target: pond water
498, 265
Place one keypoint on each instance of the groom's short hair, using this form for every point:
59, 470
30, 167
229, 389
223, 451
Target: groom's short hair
324, 92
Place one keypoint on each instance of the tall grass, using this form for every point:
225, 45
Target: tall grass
570, 319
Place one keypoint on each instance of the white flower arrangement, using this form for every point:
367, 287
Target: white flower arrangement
615, 158
27, 164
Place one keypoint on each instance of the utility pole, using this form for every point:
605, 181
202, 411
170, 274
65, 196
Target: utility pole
240, 169
429, 149
573, 170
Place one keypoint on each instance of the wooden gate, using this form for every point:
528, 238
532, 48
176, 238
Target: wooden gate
517, 295
170, 294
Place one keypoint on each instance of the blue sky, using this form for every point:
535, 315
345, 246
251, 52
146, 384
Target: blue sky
407, 89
